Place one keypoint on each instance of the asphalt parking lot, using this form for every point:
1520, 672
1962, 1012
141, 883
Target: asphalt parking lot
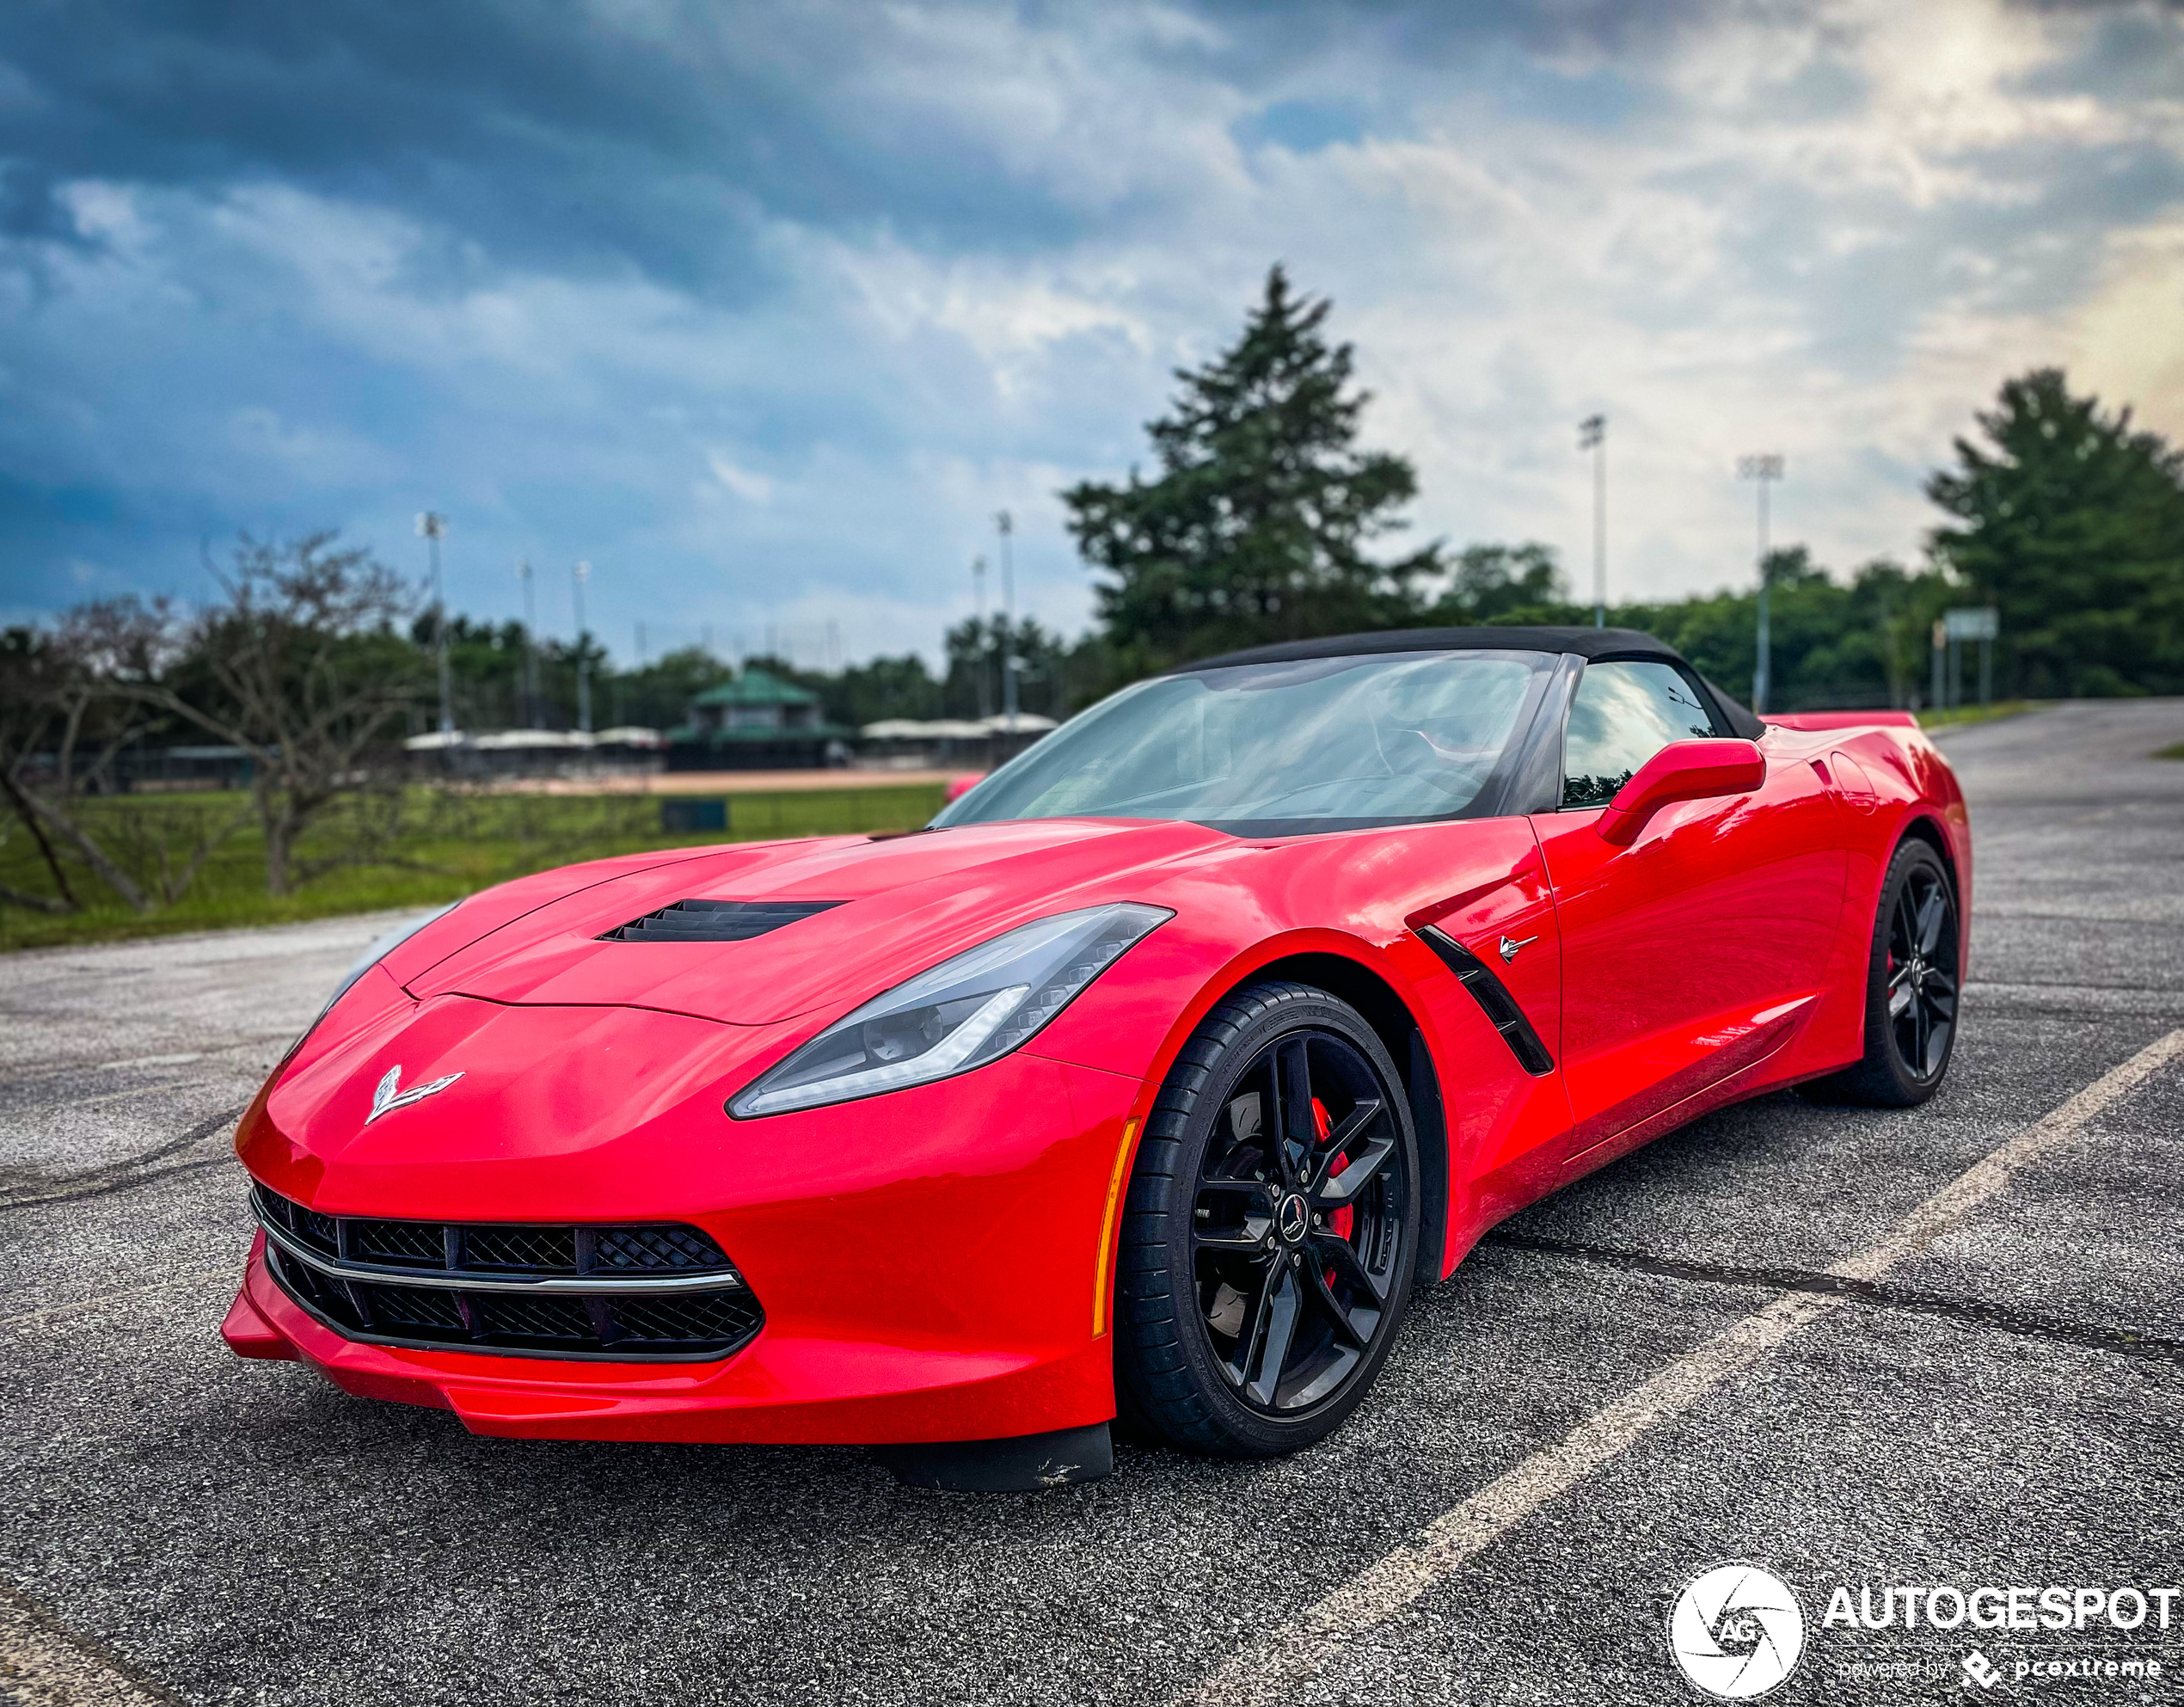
2003, 1405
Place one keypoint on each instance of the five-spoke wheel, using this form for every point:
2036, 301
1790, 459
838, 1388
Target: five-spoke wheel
1922, 970
1272, 1225
1911, 987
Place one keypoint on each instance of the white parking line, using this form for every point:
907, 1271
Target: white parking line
56, 1313
1269, 1670
41, 1665
75, 1104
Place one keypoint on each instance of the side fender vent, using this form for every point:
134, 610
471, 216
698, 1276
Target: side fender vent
1494, 999
701, 921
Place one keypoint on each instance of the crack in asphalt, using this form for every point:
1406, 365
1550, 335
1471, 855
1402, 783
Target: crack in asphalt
2028, 1324
26, 1191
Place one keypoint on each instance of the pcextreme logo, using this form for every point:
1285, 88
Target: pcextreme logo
1736, 1630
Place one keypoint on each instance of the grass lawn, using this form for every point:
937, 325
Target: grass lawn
450, 844
1977, 714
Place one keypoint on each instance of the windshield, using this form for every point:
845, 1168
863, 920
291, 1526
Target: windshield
1281, 749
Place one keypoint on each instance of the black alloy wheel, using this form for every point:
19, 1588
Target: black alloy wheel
1272, 1227
1911, 987
1922, 973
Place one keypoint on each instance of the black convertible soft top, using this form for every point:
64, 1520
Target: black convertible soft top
1587, 643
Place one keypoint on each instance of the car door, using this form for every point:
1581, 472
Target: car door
1693, 952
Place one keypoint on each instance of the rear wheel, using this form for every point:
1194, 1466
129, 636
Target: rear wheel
1271, 1228
1910, 988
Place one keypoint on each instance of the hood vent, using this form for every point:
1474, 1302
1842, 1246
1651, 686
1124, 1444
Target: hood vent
714, 921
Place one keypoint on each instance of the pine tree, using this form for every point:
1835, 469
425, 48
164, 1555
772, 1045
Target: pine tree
1256, 528
2073, 523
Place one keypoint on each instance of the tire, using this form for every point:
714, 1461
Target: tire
1910, 989
1261, 1280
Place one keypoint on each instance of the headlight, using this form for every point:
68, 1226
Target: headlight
962, 1014
371, 957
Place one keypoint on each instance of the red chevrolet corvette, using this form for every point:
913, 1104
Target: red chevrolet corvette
1151, 1078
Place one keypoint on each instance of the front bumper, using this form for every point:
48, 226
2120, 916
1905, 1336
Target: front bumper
907, 1300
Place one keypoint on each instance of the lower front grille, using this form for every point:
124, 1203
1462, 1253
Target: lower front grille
408, 1307
604, 1293
633, 1329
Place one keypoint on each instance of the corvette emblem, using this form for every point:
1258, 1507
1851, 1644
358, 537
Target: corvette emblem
1509, 949
390, 1096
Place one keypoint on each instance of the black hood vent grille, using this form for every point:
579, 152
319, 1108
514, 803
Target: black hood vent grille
714, 921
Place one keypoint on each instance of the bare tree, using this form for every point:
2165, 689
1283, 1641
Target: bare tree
61, 727
299, 667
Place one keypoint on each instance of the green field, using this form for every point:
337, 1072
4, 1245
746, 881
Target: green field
1976, 714
446, 843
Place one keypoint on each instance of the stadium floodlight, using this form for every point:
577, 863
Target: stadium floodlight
432, 526
1593, 435
1763, 470
578, 576
1006, 525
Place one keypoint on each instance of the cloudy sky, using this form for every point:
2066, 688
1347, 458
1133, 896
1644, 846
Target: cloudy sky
764, 309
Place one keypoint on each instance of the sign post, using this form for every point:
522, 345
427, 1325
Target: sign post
1982, 622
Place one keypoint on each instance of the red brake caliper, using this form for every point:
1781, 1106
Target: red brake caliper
1340, 1222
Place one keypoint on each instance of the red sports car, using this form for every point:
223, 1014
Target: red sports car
1151, 1078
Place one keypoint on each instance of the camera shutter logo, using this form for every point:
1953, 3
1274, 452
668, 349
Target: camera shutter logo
1736, 1630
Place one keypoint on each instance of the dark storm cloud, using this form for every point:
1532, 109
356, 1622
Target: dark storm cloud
1272, 36
549, 138
567, 136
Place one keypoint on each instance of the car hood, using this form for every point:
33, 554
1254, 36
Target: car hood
501, 1112
899, 906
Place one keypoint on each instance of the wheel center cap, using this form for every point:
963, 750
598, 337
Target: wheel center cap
1292, 1218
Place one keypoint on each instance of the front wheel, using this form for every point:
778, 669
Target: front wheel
1910, 988
1271, 1228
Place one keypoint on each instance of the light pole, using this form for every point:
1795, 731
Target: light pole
531, 645
1765, 470
1007, 523
979, 594
1593, 435
578, 576
433, 526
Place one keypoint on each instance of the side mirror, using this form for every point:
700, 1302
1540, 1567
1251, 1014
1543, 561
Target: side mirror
1701, 769
959, 786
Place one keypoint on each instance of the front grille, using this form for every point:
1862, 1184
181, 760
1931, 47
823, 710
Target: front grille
691, 1320
415, 1307
657, 1249
501, 1316
414, 1243
704, 921
314, 1230
541, 1250
498, 1248
615, 1321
